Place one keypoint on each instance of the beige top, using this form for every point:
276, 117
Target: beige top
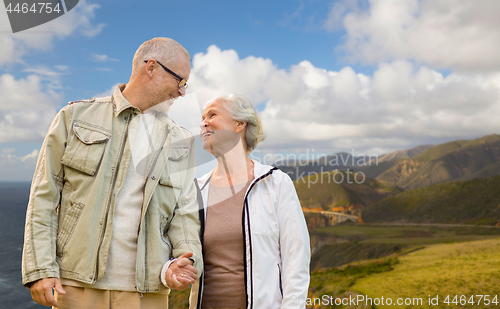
224, 273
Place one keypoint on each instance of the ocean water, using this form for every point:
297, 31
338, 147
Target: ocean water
13, 202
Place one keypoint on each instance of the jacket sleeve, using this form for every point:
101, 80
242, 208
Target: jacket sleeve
39, 251
294, 246
184, 230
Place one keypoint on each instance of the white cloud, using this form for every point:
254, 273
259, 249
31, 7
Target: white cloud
107, 92
399, 105
15, 167
458, 34
27, 107
8, 150
103, 69
102, 58
62, 67
30, 157
78, 20
43, 70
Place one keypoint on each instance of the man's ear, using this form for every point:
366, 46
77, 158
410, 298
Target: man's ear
149, 68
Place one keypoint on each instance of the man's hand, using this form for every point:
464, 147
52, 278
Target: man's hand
181, 273
41, 291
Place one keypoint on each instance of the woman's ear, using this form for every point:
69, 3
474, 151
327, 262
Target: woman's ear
240, 125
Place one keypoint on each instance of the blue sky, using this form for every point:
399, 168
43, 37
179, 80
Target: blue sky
328, 76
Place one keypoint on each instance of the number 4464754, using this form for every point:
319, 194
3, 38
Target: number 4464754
37, 8
473, 300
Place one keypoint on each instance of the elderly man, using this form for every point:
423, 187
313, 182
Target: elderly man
113, 202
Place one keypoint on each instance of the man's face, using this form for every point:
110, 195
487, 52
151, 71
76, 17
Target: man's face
182, 68
166, 85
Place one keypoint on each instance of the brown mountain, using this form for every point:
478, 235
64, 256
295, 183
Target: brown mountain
457, 160
403, 154
343, 161
339, 191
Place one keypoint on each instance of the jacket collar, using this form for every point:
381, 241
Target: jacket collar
258, 170
121, 104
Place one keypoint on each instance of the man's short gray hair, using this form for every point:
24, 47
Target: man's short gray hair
162, 49
242, 110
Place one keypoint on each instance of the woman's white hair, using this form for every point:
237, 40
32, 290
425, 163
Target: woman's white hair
163, 49
242, 110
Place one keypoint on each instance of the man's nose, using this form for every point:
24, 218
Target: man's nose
182, 91
203, 124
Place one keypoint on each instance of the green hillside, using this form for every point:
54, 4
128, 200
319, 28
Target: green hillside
338, 245
490, 170
457, 160
475, 201
404, 261
326, 191
469, 268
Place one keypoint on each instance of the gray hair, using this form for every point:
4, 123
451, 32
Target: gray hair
242, 110
164, 49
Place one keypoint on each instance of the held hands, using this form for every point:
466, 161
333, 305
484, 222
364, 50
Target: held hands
41, 291
181, 273
179, 276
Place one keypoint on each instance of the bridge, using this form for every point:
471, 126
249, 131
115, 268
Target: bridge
335, 217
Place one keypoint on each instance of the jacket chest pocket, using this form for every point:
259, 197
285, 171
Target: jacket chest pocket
85, 147
263, 214
178, 164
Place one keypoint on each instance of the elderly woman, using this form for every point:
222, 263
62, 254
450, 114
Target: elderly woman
255, 240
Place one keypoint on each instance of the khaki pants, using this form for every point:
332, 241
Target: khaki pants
86, 298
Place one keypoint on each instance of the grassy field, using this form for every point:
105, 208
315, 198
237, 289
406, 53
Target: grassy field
466, 268
424, 261
407, 236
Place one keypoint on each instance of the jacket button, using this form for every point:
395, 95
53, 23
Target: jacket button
91, 277
153, 177
86, 140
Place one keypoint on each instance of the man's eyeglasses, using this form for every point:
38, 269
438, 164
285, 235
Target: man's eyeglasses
182, 81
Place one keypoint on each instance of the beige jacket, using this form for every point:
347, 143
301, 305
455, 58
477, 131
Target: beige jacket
80, 170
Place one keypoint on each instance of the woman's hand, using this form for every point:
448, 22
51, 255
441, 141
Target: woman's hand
181, 273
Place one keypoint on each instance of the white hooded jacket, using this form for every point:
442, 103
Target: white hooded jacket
276, 241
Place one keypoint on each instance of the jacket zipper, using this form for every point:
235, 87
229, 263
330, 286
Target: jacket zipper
249, 299
279, 277
143, 216
127, 121
152, 168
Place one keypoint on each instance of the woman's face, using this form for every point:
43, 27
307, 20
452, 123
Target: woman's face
220, 133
